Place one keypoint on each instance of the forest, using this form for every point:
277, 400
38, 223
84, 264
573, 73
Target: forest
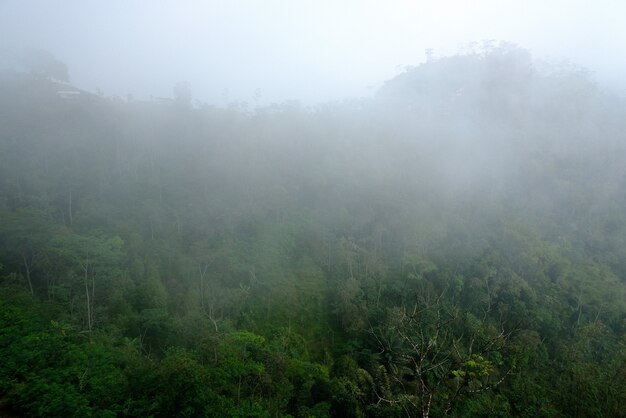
453, 245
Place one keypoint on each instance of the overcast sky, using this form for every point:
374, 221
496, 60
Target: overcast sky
312, 51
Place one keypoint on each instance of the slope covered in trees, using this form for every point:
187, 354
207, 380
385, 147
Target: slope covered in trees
454, 245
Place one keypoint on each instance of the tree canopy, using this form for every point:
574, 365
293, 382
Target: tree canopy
452, 246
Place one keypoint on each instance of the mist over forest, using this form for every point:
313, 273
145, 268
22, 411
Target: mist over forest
453, 244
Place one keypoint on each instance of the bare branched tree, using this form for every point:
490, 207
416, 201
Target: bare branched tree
435, 354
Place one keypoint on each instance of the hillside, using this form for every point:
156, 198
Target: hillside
454, 245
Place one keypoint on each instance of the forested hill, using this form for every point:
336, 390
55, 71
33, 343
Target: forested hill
454, 245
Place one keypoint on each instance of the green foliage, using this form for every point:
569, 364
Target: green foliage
452, 246
52, 370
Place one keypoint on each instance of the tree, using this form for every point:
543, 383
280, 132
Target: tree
43, 64
25, 235
89, 258
182, 94
435, 356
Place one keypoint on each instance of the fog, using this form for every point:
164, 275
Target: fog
312, 209
312, 51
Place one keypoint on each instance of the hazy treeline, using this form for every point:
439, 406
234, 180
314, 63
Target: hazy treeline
454, 245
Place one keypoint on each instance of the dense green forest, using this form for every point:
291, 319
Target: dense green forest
454, 245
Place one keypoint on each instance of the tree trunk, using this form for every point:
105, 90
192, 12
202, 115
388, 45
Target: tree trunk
69, 211
27, 268
202, 275
86, 268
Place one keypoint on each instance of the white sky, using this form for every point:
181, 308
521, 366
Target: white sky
307, 50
